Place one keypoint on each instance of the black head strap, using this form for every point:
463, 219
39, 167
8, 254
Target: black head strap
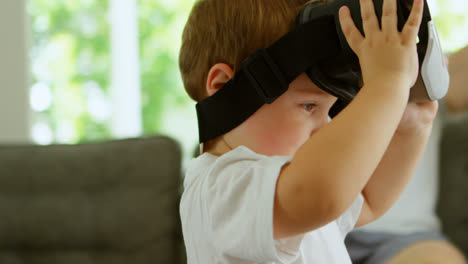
265, 75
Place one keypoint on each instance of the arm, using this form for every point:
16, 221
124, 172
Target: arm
393, 173
332, 167
399, 162
330, 170
457, 96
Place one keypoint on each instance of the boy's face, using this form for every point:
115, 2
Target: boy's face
282, 127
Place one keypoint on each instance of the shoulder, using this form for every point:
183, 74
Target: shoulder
240, 161
228, 200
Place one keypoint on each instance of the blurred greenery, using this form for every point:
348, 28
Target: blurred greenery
70, 47
161, 24
451, 19
70, 53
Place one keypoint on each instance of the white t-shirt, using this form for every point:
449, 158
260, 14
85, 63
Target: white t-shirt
227, 214
415, 209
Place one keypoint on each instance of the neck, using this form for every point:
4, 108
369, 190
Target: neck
217, 146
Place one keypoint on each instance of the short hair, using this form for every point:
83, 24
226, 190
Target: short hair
228, 31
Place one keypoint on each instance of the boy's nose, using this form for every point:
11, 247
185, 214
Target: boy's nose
313, 131
320, 123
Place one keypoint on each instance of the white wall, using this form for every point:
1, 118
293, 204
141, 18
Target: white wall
14, 104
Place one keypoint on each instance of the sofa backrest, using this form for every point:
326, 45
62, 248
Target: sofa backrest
109, 202
452, 207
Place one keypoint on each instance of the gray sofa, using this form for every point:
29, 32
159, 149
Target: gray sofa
117, 201
111, 202
453, 197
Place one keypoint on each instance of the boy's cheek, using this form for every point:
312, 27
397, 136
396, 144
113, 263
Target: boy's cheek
273, 132
277, 140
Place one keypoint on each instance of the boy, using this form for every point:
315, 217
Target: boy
286, 186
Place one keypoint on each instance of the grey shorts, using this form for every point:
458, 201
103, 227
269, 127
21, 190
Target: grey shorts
377, 248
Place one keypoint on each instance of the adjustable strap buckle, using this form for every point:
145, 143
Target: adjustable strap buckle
265, 76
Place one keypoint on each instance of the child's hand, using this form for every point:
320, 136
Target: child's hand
417, 118
384, 53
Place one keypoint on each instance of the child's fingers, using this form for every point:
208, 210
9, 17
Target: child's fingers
370, 22
352, 34
389, 16
411, 28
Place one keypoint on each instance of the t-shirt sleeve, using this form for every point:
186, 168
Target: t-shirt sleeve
349, 218
239, 206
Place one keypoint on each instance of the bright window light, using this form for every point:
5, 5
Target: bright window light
42, 133
40, 97
99, 107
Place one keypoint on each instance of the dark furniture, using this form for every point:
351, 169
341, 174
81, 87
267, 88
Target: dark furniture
453, 199
110, 202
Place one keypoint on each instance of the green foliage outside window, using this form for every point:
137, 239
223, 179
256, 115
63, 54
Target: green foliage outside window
164, 98
70, 48
451, 19
70, 51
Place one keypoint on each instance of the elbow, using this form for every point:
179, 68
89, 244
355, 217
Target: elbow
317, 206
308, 201
339, 202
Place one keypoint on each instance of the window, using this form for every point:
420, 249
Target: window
451, 19
80, 54
70, 61
166, 108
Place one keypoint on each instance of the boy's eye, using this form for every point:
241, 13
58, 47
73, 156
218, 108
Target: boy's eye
309, 107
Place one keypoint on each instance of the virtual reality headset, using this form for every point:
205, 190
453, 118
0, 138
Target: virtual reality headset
317, 47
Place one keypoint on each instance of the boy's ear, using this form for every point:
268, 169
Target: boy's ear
218, 75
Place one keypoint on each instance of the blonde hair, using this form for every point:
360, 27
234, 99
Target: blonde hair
228, 31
